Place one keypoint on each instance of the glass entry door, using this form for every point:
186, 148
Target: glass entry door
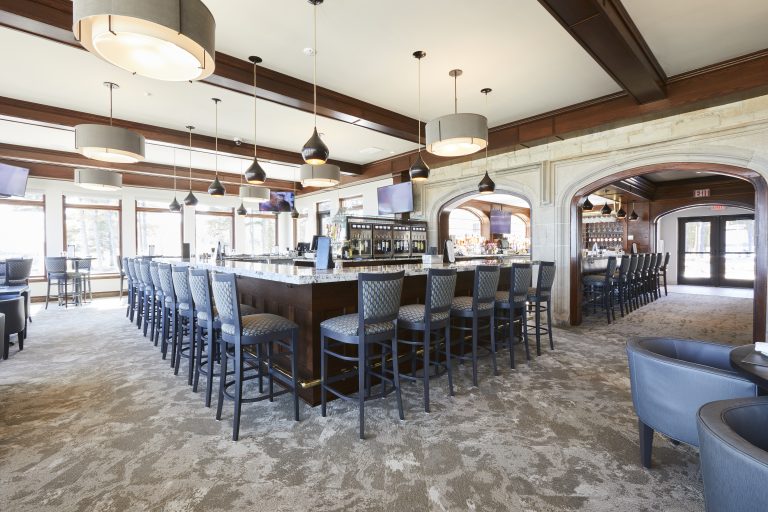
716, 251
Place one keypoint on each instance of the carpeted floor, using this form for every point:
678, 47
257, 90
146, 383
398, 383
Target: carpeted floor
92, 419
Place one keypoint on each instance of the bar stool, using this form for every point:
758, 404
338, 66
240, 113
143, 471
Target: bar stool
540, 299
56, 270
147, 297
621, 283
129, 286
157, 303
207, 330
663, 274
374, 324
168, 325
655, 273
123, 273
441, 284
480, 305
17, 271
644, 278
600, 288
185, 311
84, 285
637, 281
258, 329
140, 290
514, 302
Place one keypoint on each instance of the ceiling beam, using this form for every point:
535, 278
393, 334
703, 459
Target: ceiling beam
639, 186
725, 82
52, 19
605, 30
65, 117
65, 163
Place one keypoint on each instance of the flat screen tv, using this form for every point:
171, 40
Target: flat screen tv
395, 198
501, 221
13, 180
278, 202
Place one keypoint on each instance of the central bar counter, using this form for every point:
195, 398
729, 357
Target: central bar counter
308, 297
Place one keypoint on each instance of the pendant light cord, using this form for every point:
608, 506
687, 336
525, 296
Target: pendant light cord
190, 157
418, 121
174, 170
255, 102
314, 66
216, 144
456, 94
486, 144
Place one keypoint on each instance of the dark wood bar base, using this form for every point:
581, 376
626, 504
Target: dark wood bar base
309, 305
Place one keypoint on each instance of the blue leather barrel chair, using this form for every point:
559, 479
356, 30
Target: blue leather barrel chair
733, 441
14, 322
671, 379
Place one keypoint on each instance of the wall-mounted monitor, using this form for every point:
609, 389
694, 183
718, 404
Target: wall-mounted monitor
395, 198
501, 222
13, 180
278, 202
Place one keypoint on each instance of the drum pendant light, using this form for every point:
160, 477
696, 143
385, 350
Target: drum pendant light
321, 176
255, 174
216, 188
174, 206
419, 171
457, 134
190, 200
109, 143
315, 152
587, 206
486, 185
163, 39
98, 179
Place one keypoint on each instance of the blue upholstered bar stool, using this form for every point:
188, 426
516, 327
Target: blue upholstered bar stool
168, 324
17, 271
56, 271
157, 303
128, 286
123, 273
663, 274
540, 301
134, 305
428, 318
185, 321
513, 303
239, 333
148, 296
481, 305
637, 281
630, 283
374, 324
140, 289
598, 289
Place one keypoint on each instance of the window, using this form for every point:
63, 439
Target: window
323, 217
158, 230
213, 225
23, 230
301, 228
352, 205
92, 226
260, 233
463, 224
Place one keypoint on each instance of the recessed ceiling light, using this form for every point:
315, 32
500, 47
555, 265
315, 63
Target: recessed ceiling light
309, 52
371, 150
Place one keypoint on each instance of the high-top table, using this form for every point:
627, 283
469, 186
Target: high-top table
308, 297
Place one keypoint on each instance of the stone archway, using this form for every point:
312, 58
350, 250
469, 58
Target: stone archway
761, 229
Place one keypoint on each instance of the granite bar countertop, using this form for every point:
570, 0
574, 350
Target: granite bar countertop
291, 274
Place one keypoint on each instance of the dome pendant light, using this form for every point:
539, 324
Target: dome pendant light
241, 210
419, 171
606, 210
109, 143
621, 214
255, 174
166, 40
190, 200
216, 188
633, 216
486, 185
174, 206
315, 152
457, 134
587, 206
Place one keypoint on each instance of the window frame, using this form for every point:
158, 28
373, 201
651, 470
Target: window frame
38, 203
149, 209
265, 216
321, 214
118, 208
230, 214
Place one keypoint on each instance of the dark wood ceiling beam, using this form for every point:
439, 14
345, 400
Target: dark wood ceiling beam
66, 162
52, 19
65, 117
605, 30
639, 186
725, 82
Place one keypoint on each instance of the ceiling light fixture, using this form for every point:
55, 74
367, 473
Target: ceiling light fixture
457, 134
166, 40
326, 175
190, 200
621, 214
109, 143
587, 206
633, 216
216, 188
294, 211
254, 194
174, 206
419, 170
255, 174
486, 185
315, 152
98, 179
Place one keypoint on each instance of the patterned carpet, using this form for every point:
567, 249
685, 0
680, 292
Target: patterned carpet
92, 419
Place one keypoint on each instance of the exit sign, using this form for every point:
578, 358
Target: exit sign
701, 192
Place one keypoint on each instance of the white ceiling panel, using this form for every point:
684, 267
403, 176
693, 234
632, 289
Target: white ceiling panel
690, 34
